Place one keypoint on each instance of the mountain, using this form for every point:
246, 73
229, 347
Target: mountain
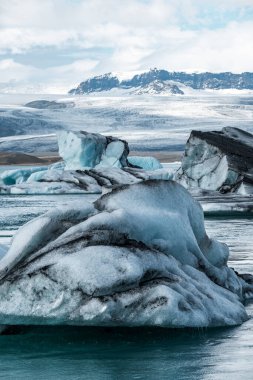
99, 83
161, 78
158, 87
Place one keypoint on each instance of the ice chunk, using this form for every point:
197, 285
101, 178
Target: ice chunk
111, 156
86, 150
218, 160
139, 256
92, 163
59, 181
16, 176
146, 163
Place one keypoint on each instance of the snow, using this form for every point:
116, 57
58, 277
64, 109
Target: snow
137, 256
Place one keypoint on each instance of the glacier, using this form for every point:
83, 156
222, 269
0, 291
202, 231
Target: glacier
138, 256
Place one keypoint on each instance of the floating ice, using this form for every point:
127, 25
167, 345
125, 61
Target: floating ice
146, 163
138, 256
17, 176
218, 160
92, 163
93, 181
86, 150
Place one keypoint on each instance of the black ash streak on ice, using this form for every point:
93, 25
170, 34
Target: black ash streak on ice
218, 161
92, 163
138, 256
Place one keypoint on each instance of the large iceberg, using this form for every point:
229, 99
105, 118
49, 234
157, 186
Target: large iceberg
92, 163
218, 160
138, 256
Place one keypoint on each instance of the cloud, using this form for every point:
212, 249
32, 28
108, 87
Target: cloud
58, 78
213, 35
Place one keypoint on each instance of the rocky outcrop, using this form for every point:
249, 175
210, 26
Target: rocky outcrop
218, 160
138, 256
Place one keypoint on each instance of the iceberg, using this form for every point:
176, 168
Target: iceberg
92, 163
93, 181
218, 161
138, 256
87, 150
146, 163
17, 176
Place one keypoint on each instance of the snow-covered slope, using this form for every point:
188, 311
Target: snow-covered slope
158, 87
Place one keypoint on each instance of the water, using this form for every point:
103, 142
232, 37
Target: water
104, 353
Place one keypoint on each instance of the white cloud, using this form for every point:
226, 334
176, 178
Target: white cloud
60, 78
134, 34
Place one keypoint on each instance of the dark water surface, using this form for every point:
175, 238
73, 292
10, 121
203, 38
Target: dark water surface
104, 353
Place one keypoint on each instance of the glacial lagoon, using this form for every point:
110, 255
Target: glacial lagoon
106, 353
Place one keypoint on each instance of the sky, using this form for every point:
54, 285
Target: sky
53, 45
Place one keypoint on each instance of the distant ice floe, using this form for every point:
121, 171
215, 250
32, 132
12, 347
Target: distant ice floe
138, 256
218, 161
92, 163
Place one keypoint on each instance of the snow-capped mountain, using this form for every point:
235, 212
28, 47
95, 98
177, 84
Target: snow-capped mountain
158, 87
159, 79
96, 84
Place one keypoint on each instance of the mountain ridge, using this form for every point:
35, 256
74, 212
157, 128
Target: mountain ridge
197, 81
